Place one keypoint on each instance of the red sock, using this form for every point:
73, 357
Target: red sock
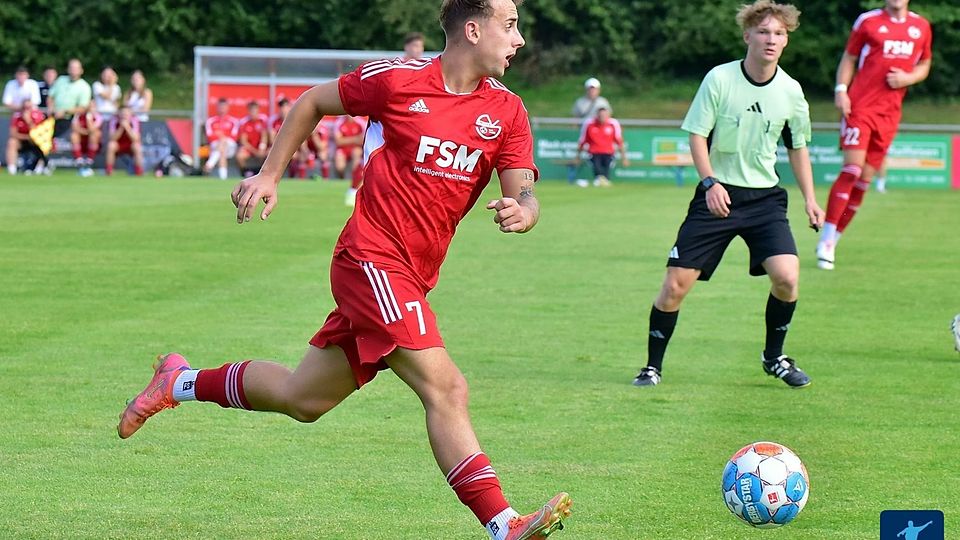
91, 152
76, 151
223, 385
840, 192
138, 170
477, 486
856, 197
109, 169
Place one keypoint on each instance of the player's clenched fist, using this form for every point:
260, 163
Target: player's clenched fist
511, 215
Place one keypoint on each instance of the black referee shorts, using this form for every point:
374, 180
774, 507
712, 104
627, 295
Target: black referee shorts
758, 215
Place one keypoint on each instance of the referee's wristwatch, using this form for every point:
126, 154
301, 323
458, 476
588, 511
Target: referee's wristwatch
707, 183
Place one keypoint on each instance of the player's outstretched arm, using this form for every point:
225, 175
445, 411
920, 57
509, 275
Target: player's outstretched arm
306, 113
518, 210
803, 172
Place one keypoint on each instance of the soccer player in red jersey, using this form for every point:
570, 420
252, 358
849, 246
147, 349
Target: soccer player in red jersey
283, 109
317, 149
85, 137
348, 157
889, 49
438, 129
222, 131
253, 139
21, 123
600, 136
125, 140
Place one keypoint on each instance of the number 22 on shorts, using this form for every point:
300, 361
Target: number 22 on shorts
851, 136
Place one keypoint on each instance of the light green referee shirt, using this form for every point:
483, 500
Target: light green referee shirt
743, 120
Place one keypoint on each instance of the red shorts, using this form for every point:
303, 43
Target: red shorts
85, 143
379, 308
124, 146
347, 151
870, 132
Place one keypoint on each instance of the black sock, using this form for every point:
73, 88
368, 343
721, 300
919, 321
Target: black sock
662, 324
779, 314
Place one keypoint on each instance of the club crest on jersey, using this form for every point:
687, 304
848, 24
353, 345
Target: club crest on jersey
913, 32
487, 129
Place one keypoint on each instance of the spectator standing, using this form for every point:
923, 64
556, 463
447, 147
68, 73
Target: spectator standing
125, 140
586, 106
70, 95
106, 93
600, 137
49, 77
139, 97
19, 89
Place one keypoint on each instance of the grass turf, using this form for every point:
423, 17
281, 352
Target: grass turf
99, 275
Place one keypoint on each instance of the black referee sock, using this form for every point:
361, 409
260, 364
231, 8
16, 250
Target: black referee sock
662, 324
779, 314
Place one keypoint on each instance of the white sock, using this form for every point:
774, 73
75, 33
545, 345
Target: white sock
185, 387
497, 527
12, 169
214, 158
829, 234
881, 183
836, 238
222, 173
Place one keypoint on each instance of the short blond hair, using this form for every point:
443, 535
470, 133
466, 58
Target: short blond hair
751, 15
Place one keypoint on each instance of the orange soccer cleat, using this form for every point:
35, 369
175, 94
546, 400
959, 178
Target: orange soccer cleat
543, 522
157, 396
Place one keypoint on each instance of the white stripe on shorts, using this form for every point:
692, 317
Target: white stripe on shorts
383, 292
376, 294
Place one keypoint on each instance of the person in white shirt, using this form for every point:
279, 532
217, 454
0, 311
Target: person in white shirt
19, 89
139, 98
106, 92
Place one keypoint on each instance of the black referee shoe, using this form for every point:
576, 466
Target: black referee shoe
784, 367
648, 376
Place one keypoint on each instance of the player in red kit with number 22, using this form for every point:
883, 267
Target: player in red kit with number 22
890, 49
437, 130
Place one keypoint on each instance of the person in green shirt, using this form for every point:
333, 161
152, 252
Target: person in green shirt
69, 95
739, 113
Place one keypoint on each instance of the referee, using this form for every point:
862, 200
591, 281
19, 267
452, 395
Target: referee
739, 113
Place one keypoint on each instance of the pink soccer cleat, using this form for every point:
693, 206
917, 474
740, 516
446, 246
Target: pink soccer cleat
157, 396
543, 522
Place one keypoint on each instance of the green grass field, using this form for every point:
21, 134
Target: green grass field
97, 276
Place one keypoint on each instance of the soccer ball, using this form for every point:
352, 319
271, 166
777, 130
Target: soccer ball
765, 485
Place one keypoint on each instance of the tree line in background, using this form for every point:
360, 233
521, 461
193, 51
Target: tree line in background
629, 39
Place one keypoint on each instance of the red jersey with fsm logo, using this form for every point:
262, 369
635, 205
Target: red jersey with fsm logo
601, 137
226, 126
882, 42
428, 154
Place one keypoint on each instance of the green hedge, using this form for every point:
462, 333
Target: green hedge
631, 39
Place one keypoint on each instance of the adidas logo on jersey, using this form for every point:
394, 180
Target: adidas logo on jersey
419, 106
883, 29
755, 108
